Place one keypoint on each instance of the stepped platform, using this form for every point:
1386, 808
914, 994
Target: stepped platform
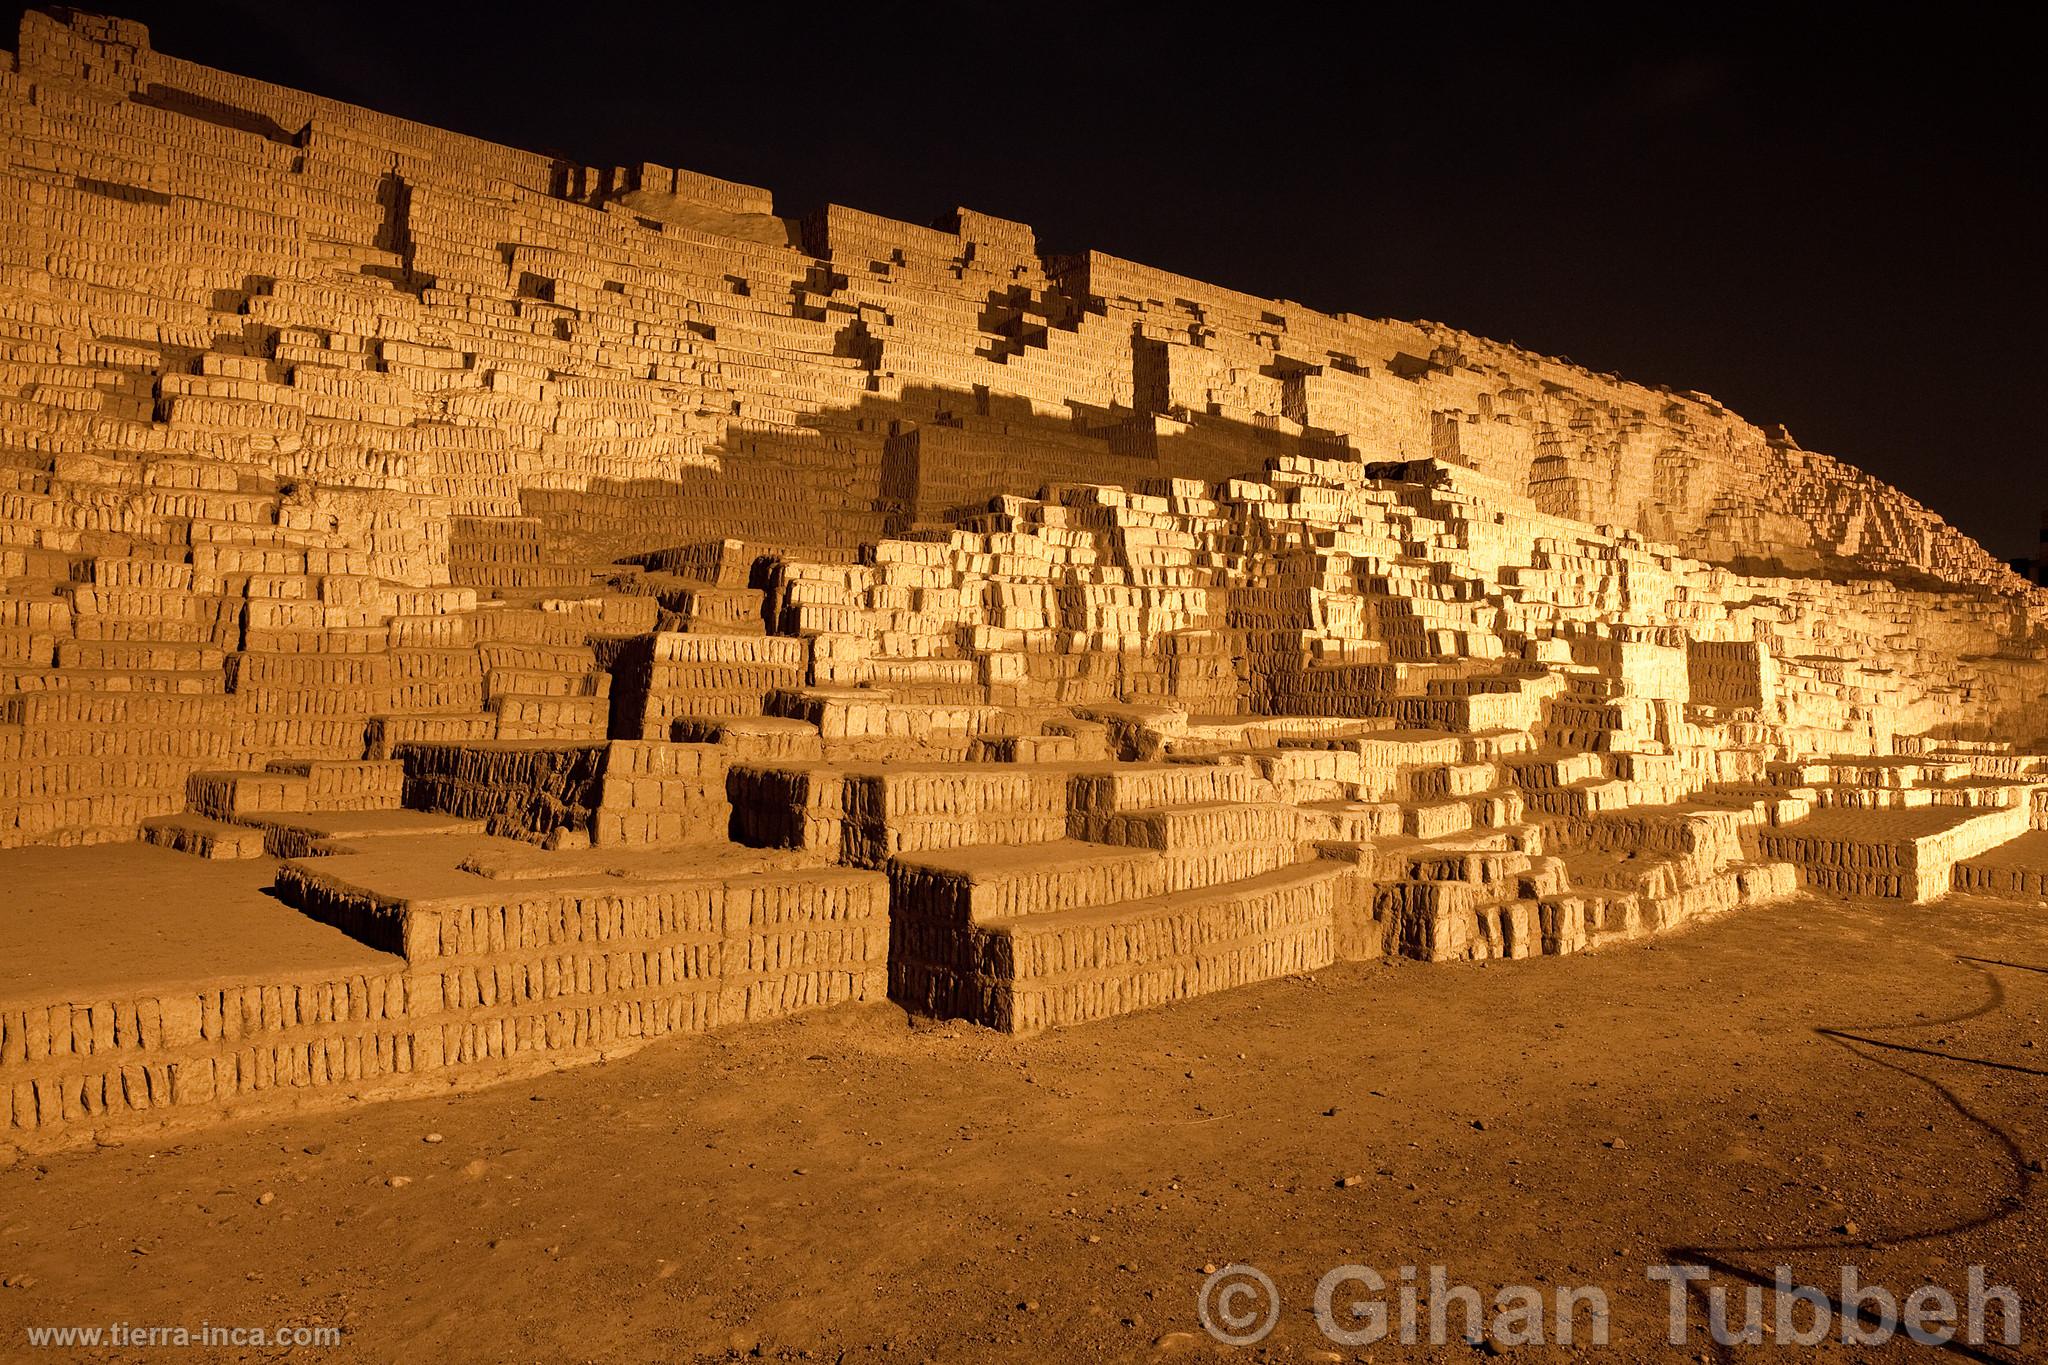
990, 882
1175, 879
696, 940
143, 985
2016, 869
1905, 854
203, 836
1069, 966
298, 834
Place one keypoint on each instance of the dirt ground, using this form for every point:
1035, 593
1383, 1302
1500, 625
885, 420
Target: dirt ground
1813, 1084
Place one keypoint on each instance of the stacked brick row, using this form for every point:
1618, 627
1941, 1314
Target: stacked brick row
541, 976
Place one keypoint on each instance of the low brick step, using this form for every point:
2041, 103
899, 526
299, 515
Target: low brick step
523, 716
758, 940
1590, 797
1399, 747
1069, 966
27, 649
236, 795
887, 793
1544, 771
1395, 857
1892, 854
1443, 781
553, 660
1627, 917
1206, 824
662, 793
1435, 819
911, 673
1528, 914
986, 884
665, 710
1393, 748
1303, 772
203, 837
1416, 765
315, 833
1350, 821
843, 713
1142, 786
151, 630
1447, 862
871, 843
347, 785
1650, 769
732, 610
1633, 872
1474, 713
385, 733
1980, 793
541, 682
131, 656
753, 739
1898, 772
1026, 749
2015, 870
162, 681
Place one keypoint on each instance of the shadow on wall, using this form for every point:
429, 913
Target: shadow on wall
850, 476
854, 475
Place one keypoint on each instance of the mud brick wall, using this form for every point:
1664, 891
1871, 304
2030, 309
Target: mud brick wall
647, 963
2020, 871
540, 978
1434, 921
672, 676
660, 793
347, 786
1709, 836
612, 794
226, 795
522, 789
1071, 974
79, 762
384, 735
801, 806
755, 738
1905, 855
1728, 672
108, 1063
435, 679
533, 967
929, 890
1022, 978
888, 813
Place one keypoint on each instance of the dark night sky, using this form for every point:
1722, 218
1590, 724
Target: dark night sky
1835, 224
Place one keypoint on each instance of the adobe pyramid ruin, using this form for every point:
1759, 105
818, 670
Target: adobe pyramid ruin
467, 612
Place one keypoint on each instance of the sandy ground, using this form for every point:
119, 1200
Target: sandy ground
1812, 1084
